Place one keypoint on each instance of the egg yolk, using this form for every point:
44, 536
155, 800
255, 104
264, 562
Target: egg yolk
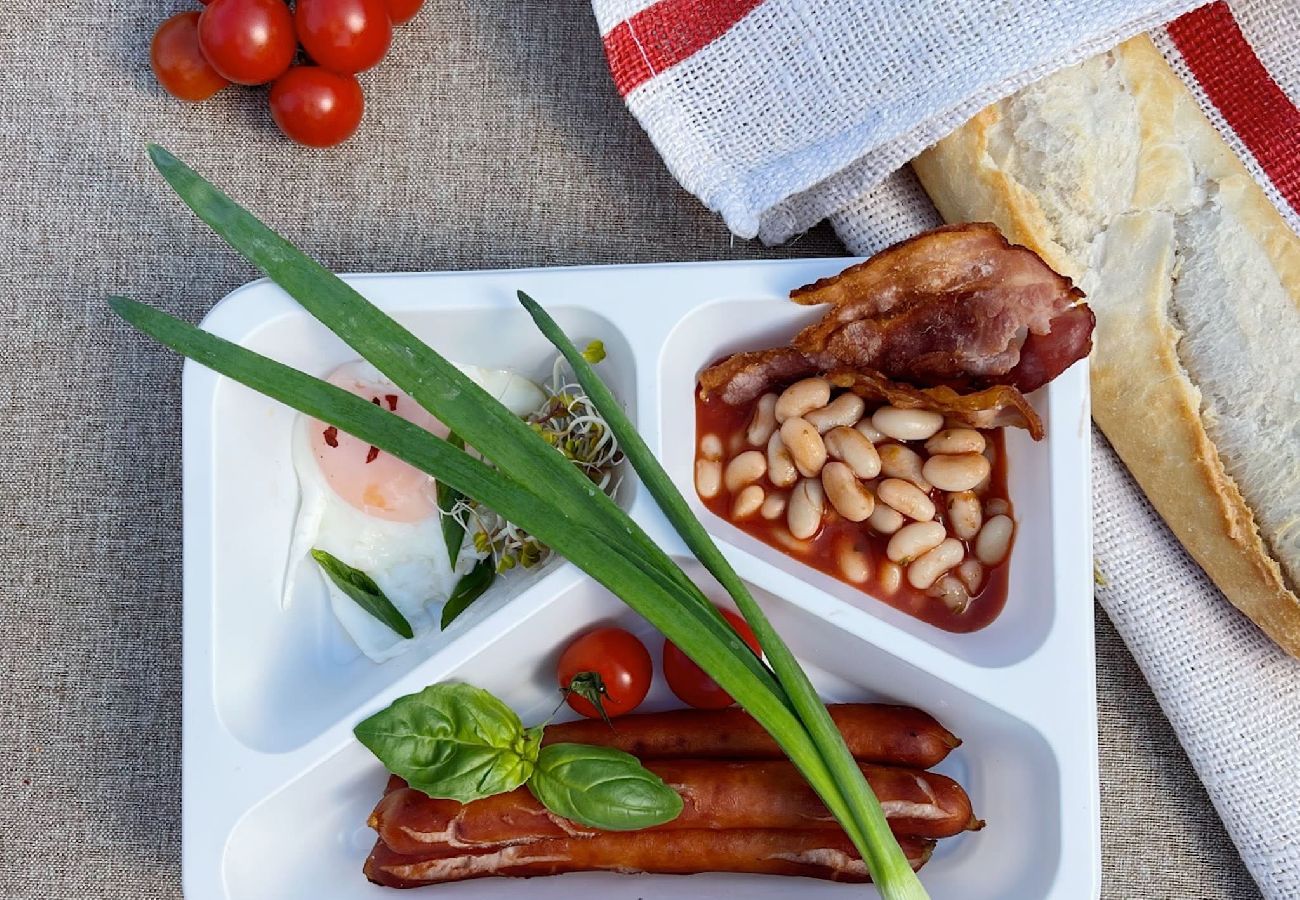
369, 479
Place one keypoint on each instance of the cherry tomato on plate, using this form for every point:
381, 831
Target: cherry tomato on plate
403, 11
248, 41
690, 683
609, 666
317, 107
348, 36
181, 67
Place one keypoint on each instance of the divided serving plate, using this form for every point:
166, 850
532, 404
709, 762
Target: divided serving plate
275, 789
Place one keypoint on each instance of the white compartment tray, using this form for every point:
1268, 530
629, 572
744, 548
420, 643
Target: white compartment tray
276, 790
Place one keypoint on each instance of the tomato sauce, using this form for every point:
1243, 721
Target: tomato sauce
822, 551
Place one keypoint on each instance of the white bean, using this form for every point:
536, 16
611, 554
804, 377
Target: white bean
891, 577
744, 469
791, 543
897, 461
854, 563
952, 592
747, 502
906, 424
801, 397
956, 440
964, 516
885, 519
711, 446
912, 540
763, 422
780, 464
708, 478
850, 499
907, 498
773, 507
994, 541
848, 445
869, 431
845, 410
955, 472
925, 570
996, 506
971, 574
805, 445
803, 514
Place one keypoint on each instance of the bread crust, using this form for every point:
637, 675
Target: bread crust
1143, 398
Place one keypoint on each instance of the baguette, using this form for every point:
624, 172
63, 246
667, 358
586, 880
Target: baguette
1110, 171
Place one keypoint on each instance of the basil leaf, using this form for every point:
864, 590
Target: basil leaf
469, 589
362, 588
452, 741
453, 532
601, 787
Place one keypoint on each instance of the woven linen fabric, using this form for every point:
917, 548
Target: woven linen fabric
778, 113
492, 138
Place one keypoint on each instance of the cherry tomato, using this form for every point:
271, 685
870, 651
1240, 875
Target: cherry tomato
248, 41
620, 662
348, 36
403, 11
317, 107
180, 66
690, 683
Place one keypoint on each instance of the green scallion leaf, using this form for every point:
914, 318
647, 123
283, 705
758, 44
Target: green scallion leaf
470, 587
453, 530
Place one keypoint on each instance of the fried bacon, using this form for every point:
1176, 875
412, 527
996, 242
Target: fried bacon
716, 794
813, 854
957, 307
874, 732
993, 407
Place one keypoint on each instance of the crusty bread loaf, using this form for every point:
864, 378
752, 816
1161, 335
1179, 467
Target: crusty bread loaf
1112, 173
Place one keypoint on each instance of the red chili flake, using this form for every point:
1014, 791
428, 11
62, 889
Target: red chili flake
371, 454
392, 401
332, 436
374, 400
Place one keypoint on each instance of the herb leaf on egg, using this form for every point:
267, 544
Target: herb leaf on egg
362, 588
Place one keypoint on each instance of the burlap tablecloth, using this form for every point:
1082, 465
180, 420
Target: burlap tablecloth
493, 138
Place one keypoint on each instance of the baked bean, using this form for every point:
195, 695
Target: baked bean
952, 592
926, 569
897, 461
907, 498
849, 446
994, 541
780, 464
850, 499
747, 502
801, 397
955, 472
846, 409
885, 519
964, 516
906, 424
792, 543
744, 469
711, 446
956, 440
891, 577
912, 540
996, 506
869, 431
773, 507
853, 563
805, 445
708, 478
803, 514
763, 422
971, 574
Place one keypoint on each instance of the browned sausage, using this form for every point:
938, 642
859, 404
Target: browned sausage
813, 854
874, 732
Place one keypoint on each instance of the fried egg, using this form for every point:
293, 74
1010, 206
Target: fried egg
379, 514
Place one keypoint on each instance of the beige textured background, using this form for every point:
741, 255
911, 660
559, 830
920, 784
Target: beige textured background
493, 138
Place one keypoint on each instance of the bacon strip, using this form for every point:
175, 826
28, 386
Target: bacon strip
812, 854
716, 795
874, 732
990, 408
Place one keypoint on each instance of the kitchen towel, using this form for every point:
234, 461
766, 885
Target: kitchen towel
780, 113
